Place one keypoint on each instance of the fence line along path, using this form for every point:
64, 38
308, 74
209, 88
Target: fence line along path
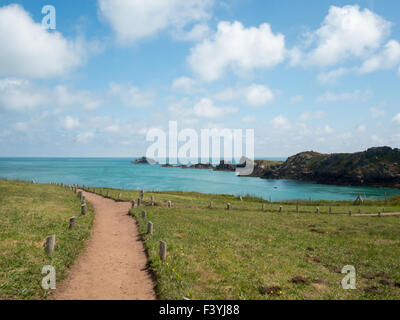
113, 263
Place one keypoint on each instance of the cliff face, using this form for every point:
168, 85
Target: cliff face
374, 167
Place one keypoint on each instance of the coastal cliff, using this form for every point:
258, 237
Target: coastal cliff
377, 167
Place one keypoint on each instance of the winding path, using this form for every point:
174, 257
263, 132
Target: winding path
113, 264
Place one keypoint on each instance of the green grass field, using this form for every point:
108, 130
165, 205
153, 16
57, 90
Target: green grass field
28, 214
245, 253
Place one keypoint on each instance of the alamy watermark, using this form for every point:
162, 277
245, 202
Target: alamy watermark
49, 20
49, 281
349, 281
227, 144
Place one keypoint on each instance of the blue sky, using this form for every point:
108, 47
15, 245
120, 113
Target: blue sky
306, 75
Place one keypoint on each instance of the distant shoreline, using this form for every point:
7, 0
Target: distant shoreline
376, 167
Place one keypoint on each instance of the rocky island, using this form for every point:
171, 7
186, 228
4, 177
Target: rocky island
376, 167
144, 160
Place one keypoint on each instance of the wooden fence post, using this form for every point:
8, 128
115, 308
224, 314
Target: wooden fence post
50, 243
317, 211
133, 204
83, 209
169, 204
350, 213
163, 250
108, 194
263, 207
138, 202
280, 209
150, 228
228, 206
211, 205
330, 210
144, 214
72, 223
152, 200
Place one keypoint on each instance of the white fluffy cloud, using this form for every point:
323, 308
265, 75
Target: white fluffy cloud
28, 50
84, 137
396, 120
135, 19
70, 123
312, 115
361, 128
237, 47
197, 33
255, 95
131, 96
187, 85
376, 113
249, 119
328, 129
23, 95
346, 32
387, 58
258, 95
280, 122
20, 95
343, 96
206, 108
332, 76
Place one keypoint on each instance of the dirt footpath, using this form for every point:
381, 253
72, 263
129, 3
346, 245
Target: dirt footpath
113, 264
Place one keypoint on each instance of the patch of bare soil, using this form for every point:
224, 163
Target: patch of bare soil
317, 231
334, 269
298, 280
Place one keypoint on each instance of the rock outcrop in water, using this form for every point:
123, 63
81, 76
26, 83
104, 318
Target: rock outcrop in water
377, 167
144, 160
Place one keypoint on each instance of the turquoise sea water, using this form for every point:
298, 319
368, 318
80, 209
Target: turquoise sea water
120, 173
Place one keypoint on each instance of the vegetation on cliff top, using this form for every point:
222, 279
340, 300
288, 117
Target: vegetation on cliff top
378, 167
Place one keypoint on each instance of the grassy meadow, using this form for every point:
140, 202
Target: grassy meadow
213, 253
247, 253
28, 214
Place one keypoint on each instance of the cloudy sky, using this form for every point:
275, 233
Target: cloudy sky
306, 75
